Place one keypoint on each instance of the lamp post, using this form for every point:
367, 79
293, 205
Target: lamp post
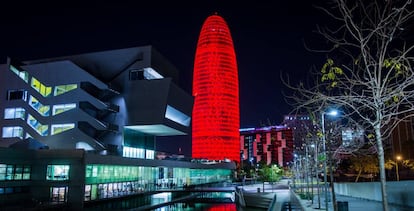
396, 167
325, 177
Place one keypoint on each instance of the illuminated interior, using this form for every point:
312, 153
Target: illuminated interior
41, 88
216, 118
14, 113
22, 74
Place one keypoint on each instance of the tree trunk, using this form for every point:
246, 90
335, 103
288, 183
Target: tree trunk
359, 174
381, 162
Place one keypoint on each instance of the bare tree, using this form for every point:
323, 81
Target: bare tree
369, 71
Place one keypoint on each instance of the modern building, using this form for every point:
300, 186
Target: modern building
270, 145
82, 128
75, 179
301, 125
216, 115
111, 102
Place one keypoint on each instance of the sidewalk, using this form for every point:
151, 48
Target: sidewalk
354, 204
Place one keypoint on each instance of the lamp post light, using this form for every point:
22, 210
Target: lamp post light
325, 178
396, 167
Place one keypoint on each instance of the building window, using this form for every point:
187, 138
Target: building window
43, 130
17, 95
145, 73
58, 194
132, 152
57, 109
61, 89
14, 113
149, 154
41, 88
14, 172
44, 110
57, 172
22, 74
59, 128
177, 116
10, 132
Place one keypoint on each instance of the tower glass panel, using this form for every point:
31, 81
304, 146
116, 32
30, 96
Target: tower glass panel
216, 118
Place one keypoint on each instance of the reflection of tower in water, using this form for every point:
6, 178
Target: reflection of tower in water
216, 115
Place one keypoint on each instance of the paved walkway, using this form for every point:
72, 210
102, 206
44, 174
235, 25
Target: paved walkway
345, 203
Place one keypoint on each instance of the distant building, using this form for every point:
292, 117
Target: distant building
301, 125
273, 144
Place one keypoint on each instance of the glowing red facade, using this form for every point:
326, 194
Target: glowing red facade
216, 115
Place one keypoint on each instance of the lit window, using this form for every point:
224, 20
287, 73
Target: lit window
57, 109
43, 130
57, 172
41, 88
145, 73
177, 116
61, 89
22, 74
14, 113
10, 132
150, 154
59, 128
133, 152
39, 107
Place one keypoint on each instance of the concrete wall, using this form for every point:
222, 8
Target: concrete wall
397, 192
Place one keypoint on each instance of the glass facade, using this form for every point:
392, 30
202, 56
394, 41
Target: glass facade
14, 113
14, 172
43, 130
57, 109
61, 89
44, 110
45, 91
57, 172
10, 132
59, 128
22, 74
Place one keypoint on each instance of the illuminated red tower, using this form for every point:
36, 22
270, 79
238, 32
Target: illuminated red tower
216, 115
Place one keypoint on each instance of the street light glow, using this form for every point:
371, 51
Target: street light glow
332, 112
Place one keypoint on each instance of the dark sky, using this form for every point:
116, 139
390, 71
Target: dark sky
268, 38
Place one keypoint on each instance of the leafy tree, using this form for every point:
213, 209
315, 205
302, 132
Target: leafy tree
369, 72
364, 164
271, 173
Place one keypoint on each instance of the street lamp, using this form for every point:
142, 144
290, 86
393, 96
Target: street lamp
325, 178
396, 167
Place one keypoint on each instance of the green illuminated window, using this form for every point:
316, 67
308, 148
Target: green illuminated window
61, 89
14, 172
57, 172
41, 88
44, 110
43, 130
59, 128
57, 109
22, 74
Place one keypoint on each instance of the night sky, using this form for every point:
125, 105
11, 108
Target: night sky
268, 36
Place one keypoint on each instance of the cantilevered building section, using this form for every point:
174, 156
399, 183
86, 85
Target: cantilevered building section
113, 102
216, 118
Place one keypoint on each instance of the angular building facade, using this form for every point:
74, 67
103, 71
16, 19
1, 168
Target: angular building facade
216, 115
110, 102
81, 129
